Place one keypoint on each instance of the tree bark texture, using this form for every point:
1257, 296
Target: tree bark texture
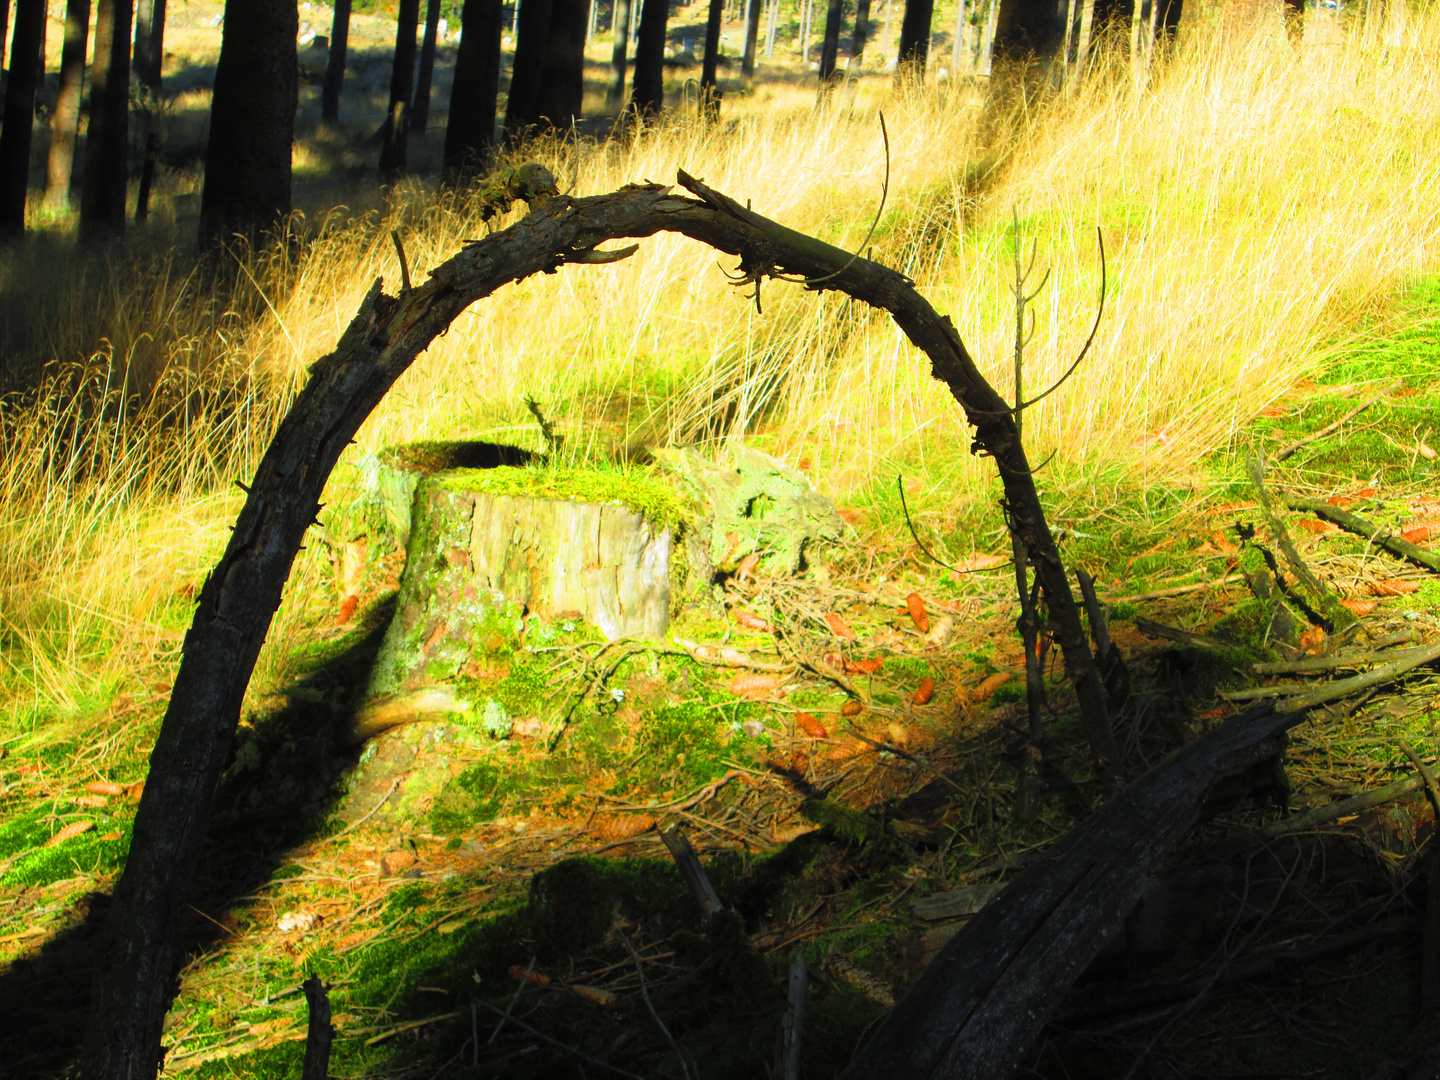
252, 123
830, 49
712, 53
619, 51
402, 84
25, 73
149, 42
980, 1004
562, 78
65, 128
752, 40
527, 68
102, 189
861, 36
914, 40
420, 111
335, 65
648, 93
470, 129
1027, 29
137, 954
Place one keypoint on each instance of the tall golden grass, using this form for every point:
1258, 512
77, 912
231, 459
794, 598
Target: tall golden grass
1260, 199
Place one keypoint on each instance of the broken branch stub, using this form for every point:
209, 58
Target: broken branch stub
138, 953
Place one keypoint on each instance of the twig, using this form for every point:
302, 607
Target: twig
564, 1046
404, 263
1318, 595
1429, 777
793, 1033
645, 994
694, 873
1345, 807
900, 486
1329, 663
1328, 428
373, 811
1343, 687
410, 1025
1178, 590
513, 999
1185, 637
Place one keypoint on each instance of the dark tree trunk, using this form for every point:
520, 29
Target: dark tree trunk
1030, 29
335, 67
620, 31
648, 93
914, 39
149, 42
102, 190
25, 45
527, 68
862, 31
830, 48
420, 113
402, 83
65, 128
252, 123
752, 39
709, 97
470, 130
562, 79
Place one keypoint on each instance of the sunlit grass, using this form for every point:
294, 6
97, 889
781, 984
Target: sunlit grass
1258, 202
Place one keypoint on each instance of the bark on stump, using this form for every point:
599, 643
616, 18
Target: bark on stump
478, 562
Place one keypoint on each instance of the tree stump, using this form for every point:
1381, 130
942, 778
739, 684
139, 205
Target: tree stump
483, 554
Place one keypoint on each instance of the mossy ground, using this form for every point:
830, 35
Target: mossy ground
540, 854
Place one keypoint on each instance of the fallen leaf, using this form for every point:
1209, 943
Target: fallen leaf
754, 685
1393, 587
1213, 714
1318, 527
990, 685
810, 726
593, 994
1359, 607
347, 609
915, 604
395, 863
1273, 412
75, 828
112, 835
534, 978
851, 517
924, 692
135, 790
1418, 534
1312, 639
747, 565
1425, 451
103, 787
1341, 501
1366, 493
838, 626
863, 667
751, 622
851, 708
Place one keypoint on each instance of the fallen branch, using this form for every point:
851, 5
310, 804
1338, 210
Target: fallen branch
1376, 534
1328, 428
1356, 804
1344, 687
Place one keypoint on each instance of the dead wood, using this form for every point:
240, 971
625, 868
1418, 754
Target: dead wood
1351, 659
1376, 534
137, 955
1316, 597
1328, 428
706, 898
1184, 637
320, 1033
978, 1007
1356, 804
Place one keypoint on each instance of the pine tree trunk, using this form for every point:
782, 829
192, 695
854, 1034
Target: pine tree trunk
562, 80
752, 39
861, 37
648, 94
709, 95
527, 68
102, 190
25, 45
470, 129
335, 67
252, 124
149, 42
402, 83
830, 50
914, 41
619, 50
1082, 43
420, 113
960, 48
64, 129
770, 30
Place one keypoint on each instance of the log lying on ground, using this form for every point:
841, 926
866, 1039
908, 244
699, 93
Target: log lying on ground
138, 953
977, 1009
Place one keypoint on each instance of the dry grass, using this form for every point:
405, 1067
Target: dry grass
1258, 200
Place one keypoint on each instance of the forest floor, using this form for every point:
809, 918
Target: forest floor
528, 921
